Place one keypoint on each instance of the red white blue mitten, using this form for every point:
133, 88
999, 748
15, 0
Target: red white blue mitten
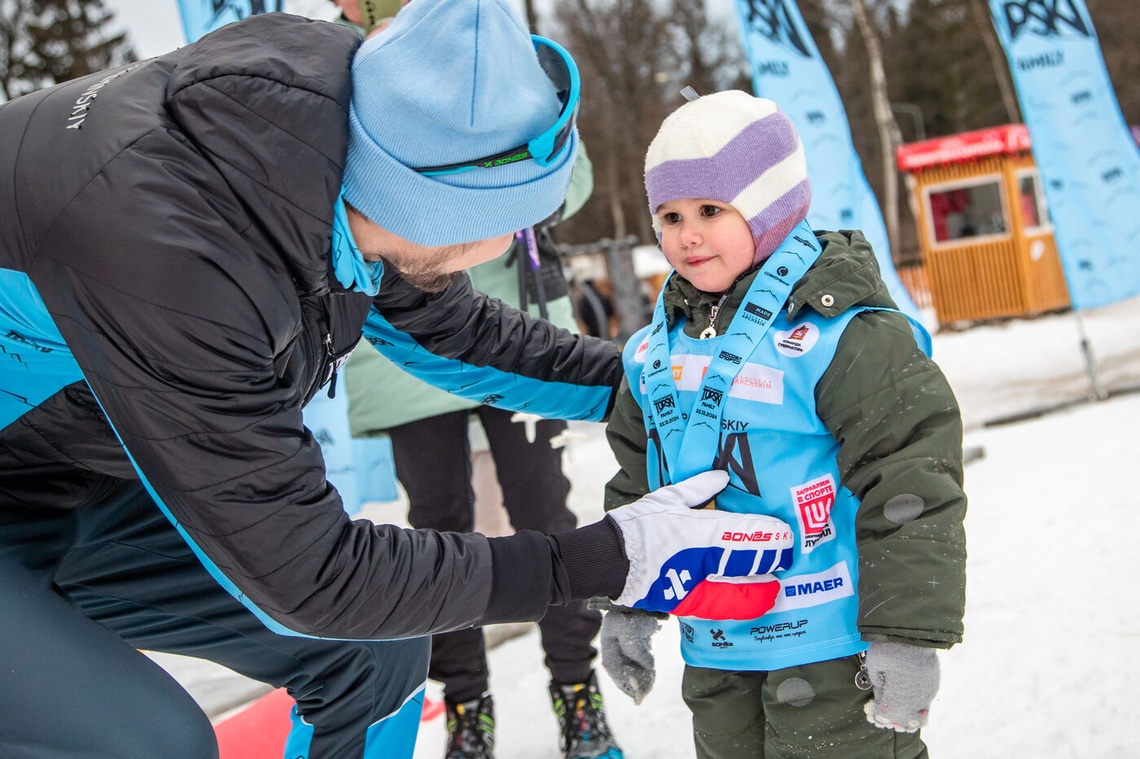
697, 562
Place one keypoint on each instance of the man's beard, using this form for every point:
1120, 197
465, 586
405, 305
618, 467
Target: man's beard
430, 280
424, 270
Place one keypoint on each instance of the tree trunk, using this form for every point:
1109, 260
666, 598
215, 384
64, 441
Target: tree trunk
997, 58
531, 18
889, 134
617, 213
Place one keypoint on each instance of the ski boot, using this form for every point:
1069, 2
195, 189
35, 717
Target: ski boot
582, 718
470, 728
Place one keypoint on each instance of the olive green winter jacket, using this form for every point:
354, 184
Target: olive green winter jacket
900, 435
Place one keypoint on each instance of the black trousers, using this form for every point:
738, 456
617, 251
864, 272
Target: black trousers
82, 589
433, 463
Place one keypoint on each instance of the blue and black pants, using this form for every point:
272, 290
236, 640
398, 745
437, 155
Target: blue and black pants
82, 589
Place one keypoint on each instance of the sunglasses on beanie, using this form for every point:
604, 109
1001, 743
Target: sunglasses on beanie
548, 146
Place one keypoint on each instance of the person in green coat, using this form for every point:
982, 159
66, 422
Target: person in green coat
432, 452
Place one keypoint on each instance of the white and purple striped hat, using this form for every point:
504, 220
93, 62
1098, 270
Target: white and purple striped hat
738, 149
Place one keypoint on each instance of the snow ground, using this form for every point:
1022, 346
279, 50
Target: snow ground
1048, 665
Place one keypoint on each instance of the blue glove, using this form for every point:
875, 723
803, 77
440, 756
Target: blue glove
687, 561
905, 681
627, 653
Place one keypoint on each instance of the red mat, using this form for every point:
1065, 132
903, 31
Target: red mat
259, 730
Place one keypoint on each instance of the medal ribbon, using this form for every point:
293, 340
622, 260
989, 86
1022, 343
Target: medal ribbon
689, 446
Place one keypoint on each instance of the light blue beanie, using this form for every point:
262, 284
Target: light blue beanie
451, 81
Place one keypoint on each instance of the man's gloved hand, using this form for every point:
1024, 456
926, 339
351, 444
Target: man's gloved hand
686, 561
905, 680
627, 654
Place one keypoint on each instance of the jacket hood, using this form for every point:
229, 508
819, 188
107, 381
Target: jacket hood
266, 101
845, 275
846, 270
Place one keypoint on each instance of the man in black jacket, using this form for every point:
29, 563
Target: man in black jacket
189, 247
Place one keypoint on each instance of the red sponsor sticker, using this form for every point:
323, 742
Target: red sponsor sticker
813, 501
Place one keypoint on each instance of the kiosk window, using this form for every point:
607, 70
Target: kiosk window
1033, 213
963, 211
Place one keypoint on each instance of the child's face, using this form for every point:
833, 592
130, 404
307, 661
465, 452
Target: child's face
708, 242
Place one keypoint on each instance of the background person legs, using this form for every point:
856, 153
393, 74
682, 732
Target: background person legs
535, 492
433, 464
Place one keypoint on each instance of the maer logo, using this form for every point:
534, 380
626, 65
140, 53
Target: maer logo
1048, 18
772, 19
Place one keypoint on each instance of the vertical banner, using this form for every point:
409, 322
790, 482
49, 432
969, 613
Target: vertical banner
787, 68
1088, 160
203, 16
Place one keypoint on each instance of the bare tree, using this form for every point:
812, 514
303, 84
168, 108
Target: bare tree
618, 46
1117, 25
708, 55
531, 16
889, 135
980, 12
635, 56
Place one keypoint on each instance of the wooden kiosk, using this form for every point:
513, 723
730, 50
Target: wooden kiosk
984, 226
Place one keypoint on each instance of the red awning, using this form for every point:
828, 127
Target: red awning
967, 146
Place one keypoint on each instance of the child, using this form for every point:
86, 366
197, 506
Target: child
776, 354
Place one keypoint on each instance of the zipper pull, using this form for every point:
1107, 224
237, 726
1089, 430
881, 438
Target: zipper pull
710, 331
862, 677
332, 365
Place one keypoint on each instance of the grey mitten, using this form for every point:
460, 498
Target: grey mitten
905, 680
627, 654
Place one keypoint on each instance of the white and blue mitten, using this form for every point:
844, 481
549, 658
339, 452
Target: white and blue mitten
696, 562
904, 679
627, 650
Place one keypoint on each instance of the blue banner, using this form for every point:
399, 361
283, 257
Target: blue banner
200, 17
787, 68
1088, 160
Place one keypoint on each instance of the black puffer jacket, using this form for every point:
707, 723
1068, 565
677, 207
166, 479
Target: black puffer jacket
174, 216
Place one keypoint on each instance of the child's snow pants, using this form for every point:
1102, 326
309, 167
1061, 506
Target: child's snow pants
809, 712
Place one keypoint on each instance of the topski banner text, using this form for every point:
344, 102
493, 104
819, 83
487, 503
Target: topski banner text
787, 68
1089, 161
